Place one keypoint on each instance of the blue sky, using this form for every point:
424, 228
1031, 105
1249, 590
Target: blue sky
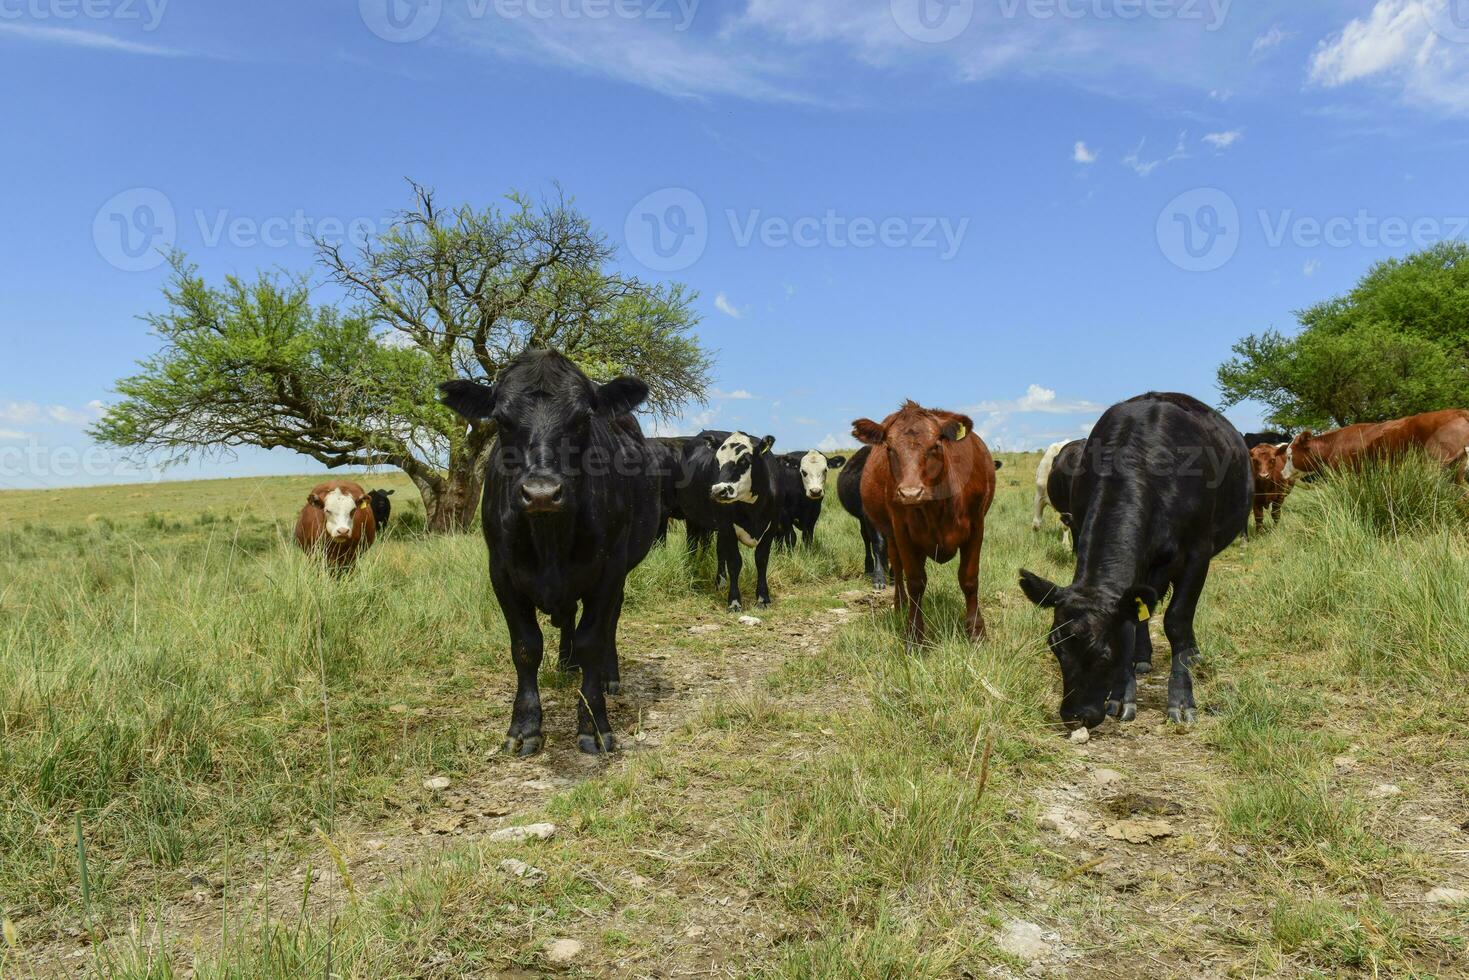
1028, 209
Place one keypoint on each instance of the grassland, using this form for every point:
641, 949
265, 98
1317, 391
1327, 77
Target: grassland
212, 760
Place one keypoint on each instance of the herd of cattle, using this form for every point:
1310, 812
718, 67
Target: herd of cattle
575, 497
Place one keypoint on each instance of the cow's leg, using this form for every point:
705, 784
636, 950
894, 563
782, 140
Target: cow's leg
1275, 506
1259, 514
611, 669
733, 563
868, 558
808, 534
593, 648
1123, 702
524, 735
1040, 508
564, 660
1178, 624
915, 582
762, 565
900, 586
969, 584
879, 561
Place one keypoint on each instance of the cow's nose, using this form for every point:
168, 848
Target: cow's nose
815, 494
541, 495
910, 493
722, 491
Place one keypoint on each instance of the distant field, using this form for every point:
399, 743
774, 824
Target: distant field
213, 759
262, 498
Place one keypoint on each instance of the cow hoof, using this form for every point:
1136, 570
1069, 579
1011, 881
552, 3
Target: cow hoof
529, 745
1113, 708
762, 604
613, 687
736, 606
1183, 716
597, 744
1143, 667
1129, 711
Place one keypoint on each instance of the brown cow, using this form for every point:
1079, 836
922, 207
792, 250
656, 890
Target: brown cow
1444, 436
1271, 486
927, 488
337, 521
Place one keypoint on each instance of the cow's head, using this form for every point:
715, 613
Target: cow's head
916, 440
1092, 637
339, 508
1300, 457
813, 467
736, 457
1268, 463
547, 412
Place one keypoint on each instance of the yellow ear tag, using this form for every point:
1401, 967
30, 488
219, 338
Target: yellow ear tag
363, 505
1142, 612
962, 433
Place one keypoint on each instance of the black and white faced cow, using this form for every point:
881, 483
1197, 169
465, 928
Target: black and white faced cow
1164, 485
802, 486
571, 505
729, 488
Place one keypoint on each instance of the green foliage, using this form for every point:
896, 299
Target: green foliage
1396, 345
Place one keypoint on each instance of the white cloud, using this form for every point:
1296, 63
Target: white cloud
1395, 45
1221, 94
1309, 269
1272, 38
1224, 140
738, 395
11, 435
723, 305
1145, 168
1081, 154
73, 416
74, 38
19, 411
1037, 399
830, 443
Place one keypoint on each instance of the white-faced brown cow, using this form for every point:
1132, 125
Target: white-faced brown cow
337, 522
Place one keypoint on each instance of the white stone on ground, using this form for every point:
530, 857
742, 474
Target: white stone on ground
1447, 896
1081, 736
436, 783
563, 951
1025, 940
530, 831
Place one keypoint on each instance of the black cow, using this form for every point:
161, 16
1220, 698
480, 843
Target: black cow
849, 492
381, 506
1253, 439
801, 484
1058, 485
667, 452
1164, 486
728, 489
570, 506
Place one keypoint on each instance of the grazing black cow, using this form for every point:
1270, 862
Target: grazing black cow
801, 484
728, 489
1164, 486
874, 545
570, 506
1253, 439
381, 506
1058, 485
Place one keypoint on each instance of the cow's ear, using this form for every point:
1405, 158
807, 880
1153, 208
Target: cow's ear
766, 444
1138, 603
312, 500
999, 465
472, 400
867, 432
620, 396
835, 462
712, 443
389, 493
1038, 590
957, 428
